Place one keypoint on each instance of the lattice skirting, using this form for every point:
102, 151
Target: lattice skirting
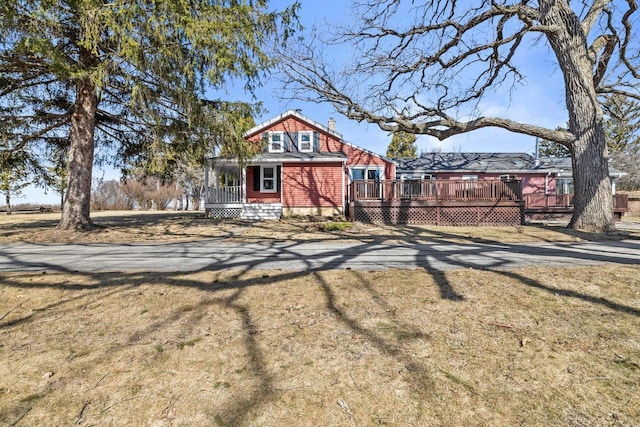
439, 215
548, 216
217, 213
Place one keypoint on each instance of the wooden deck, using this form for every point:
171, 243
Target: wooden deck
541, 207
459, 202
437, 191
431, 202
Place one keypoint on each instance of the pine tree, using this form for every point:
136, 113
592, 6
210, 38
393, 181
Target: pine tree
123, 71
402, 146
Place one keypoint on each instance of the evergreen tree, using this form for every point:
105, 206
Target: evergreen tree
622, 127
124, 71
14, 176
548, 148
402, 146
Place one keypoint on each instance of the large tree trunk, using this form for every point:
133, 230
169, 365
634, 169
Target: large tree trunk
593, 201
76, 207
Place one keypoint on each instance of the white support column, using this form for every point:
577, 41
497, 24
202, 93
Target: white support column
281, 182
243, 174
207, 166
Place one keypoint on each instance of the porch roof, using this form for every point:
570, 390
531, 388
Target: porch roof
286, 157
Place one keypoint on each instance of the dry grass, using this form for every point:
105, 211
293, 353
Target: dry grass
398, 348
128, 226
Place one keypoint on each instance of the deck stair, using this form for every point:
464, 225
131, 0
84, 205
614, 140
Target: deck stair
255, 211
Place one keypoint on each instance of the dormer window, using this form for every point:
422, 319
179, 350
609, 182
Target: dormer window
305, 142
276, 142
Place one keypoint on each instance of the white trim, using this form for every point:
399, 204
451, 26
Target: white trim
309, 133
268, 123
293, 159
270, 141
418, 177
244, 184
274, 189
365, 168
291, 113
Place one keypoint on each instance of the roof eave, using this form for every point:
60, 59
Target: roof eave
290, 113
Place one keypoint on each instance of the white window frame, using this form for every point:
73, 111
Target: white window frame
300, 142
565, 183
471, 181
377, 168
271, 142
274, 189
423, 177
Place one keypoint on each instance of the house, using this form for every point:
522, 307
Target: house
547, 175
304, 168
547, 183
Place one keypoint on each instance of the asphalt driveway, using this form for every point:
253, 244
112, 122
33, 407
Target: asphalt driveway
300, 256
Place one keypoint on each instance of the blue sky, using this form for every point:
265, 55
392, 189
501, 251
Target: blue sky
540, 100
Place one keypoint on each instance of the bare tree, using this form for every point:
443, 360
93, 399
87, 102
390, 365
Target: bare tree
415, 78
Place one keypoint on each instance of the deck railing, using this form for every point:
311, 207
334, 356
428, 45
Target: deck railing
620, 201
434, 190
548, 200
231, 194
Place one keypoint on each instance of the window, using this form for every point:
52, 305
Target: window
365, 173
427, 177
305, 141
471, 181
268, 179
357, 174
276, 142
564, 186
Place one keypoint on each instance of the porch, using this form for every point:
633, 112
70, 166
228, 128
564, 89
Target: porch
226, 194
559, 207
432, 202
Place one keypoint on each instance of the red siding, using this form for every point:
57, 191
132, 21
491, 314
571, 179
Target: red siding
256, 196
311, 184
316, 184
531, 183
330, 144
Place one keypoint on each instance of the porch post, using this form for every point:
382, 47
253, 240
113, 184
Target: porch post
206, 174
243, 174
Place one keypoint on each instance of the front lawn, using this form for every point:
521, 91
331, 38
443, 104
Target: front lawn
522, 347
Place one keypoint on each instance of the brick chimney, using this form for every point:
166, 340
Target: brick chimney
332, 124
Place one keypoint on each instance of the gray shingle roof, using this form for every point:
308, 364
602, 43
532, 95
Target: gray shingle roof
287, 157
467, 162
502, 163
300, 157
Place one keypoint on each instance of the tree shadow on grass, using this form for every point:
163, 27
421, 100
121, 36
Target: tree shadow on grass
238, 408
